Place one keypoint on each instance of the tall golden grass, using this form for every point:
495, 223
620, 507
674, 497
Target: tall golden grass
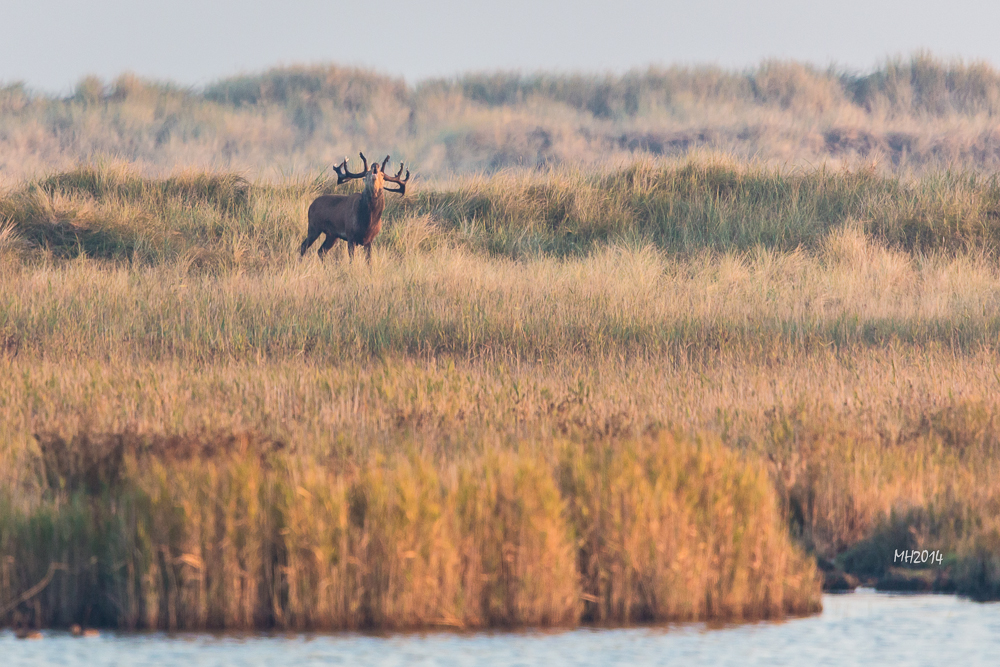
225, 532
632, 413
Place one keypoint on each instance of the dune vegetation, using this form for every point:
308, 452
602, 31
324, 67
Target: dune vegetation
906, 115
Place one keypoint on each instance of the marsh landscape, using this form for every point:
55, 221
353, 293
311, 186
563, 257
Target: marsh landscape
684, 345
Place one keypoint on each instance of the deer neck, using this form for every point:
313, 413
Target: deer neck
373, 189
372, 204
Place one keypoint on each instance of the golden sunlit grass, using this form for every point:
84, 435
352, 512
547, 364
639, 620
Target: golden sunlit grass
634, 407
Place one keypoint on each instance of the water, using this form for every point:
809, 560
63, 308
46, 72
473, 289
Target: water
862, 628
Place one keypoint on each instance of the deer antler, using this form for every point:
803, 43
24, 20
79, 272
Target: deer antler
344, 175
401, 182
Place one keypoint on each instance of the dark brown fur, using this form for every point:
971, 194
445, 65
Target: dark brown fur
356, 218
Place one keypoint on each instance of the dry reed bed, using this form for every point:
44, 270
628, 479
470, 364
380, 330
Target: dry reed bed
244, 537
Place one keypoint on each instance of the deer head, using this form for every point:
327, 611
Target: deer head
344, 174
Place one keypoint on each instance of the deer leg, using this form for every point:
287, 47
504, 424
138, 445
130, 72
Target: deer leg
368, 253
327, 244
350, 250
311, 237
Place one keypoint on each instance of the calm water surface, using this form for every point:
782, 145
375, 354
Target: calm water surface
861, 628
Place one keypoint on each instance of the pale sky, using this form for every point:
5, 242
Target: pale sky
51, 44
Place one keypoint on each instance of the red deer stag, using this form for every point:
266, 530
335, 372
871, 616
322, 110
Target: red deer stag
355, 218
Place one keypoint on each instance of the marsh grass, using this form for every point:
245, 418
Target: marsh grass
645, 394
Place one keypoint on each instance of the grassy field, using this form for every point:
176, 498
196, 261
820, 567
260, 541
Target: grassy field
663, 391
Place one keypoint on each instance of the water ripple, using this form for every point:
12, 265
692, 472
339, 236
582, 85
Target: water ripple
861, 628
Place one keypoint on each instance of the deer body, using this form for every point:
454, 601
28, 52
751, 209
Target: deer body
356, 218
